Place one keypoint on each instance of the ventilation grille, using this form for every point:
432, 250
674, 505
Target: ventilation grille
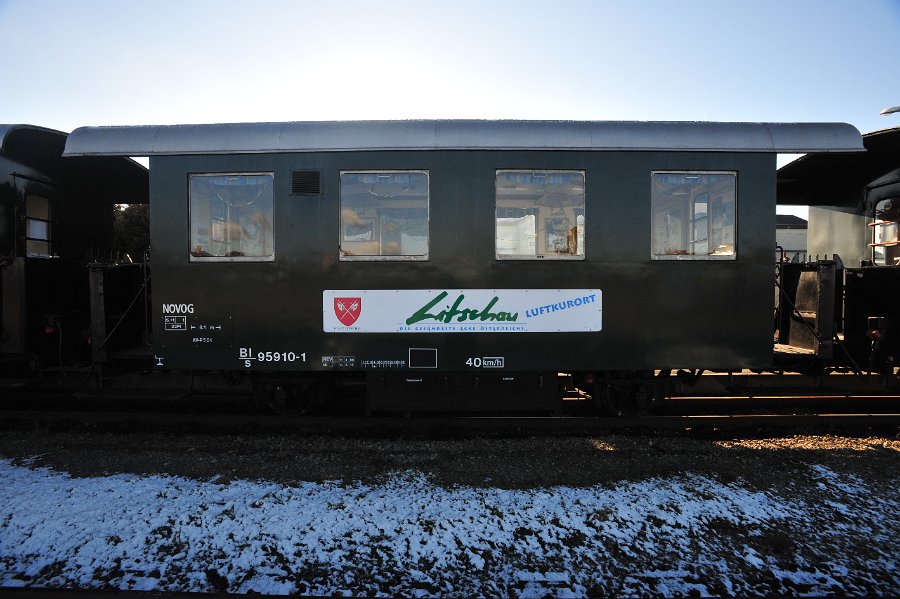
306, 183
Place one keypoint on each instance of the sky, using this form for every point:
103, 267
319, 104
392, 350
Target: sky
67, 64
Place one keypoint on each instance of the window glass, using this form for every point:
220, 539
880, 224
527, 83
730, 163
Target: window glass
38, 229
384, 215
693, 215
37, 207
539, 214
886, 236
37, 226
231, 217
37, 248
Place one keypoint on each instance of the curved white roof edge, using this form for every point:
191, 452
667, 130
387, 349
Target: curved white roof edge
338, 136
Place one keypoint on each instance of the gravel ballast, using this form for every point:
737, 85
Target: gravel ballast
635, 515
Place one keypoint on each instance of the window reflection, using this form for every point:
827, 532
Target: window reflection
231, 217
384, 215
885, 235
539, 214
693, 215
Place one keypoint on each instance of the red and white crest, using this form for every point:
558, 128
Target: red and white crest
347, 309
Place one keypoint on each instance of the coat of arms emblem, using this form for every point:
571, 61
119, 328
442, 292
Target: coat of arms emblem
347, 309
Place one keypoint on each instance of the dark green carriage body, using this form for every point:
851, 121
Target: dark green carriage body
653, 314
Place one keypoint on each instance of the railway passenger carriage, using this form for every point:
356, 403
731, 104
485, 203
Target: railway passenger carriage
55, 217
456, 264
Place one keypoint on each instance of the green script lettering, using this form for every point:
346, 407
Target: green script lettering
461, 315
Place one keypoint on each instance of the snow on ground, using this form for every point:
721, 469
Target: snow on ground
676, 536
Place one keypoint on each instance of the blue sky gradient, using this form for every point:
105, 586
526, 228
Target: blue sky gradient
109, 62
103, 62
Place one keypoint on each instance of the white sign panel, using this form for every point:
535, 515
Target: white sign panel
461, 310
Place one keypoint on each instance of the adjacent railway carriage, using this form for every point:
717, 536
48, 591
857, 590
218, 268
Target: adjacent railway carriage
55, 217
855, 247
455, 264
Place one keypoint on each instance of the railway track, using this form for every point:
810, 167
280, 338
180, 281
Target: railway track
441, 425
157, 410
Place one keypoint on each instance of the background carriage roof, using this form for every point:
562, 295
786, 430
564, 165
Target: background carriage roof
123, 180
337, 136
840, 180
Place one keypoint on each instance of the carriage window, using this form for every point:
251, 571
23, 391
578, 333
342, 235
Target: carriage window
692, 215
384, 215
539, 214
37, 225
231, 217
885, 234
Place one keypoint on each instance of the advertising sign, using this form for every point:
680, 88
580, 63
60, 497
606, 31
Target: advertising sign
461, 310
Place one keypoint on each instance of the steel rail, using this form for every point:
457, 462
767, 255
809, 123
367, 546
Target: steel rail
452, 425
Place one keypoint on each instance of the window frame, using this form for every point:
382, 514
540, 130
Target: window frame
582, 257
693, 257
47, 222
883, 226
201, 259
376, 220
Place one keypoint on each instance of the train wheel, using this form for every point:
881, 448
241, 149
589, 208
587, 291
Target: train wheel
287, 398
625, 398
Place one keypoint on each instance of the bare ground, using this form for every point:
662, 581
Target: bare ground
845, 483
